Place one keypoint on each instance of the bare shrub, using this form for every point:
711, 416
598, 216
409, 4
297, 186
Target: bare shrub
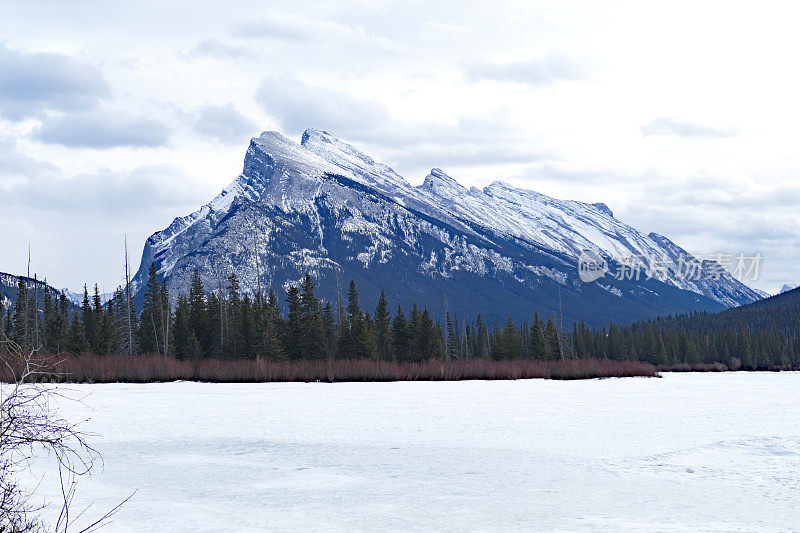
31, 426
695, 367
145, 369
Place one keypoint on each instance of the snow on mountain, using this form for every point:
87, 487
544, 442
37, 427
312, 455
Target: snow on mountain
326, 207
9, 284
77, 297
786, 288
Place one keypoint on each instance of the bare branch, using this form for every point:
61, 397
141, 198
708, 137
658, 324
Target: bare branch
29, 427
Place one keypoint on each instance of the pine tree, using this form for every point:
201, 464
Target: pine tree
451, 339
508, 341
120, 318
313, 341
165, 319
78, 343
743, 349
417, 343
292, 342
214, 319
270, 329
248, 328
468, 342
551, 340
539, 349
343, 337
662, 358
400, 335
482, 348
357, 336
367, 344
181, 329
331, 331
354, 325
103, 328
233, 313
150, 331
93, 332
383, 329
198, 317
60, 335
186, 343
87, 317
21, 320
579, 344
105, 333
430, 337
437, 341
48, 318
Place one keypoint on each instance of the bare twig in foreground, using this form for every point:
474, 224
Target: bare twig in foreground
29, 427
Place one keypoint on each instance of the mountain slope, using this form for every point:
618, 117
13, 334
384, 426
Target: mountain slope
9, 286
786, 288
780, 312
325, 207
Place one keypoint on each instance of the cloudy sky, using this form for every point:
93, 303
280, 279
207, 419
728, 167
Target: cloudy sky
681, 116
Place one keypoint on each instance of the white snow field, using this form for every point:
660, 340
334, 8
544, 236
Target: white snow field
699, 452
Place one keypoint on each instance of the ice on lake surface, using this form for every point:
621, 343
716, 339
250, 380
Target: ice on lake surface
715, 452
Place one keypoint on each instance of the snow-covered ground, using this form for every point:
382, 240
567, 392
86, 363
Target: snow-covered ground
713, 452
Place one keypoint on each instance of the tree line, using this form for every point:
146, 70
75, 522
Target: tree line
229, 324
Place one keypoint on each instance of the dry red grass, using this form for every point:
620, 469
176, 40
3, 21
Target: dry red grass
90, 368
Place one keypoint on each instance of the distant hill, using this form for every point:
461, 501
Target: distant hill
781, 311
764, 335
786, 288
8, 290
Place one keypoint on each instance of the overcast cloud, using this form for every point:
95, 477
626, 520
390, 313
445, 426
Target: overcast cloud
217, 49
101, 130
33, 82
141, 114
225, 124
108, 192
297, 106
542, 71
683, 128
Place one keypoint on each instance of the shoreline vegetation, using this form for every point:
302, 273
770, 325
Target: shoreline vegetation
91, 368
227, 336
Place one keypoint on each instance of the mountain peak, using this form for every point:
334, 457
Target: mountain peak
349, 158
604, 208
506, 190
276, 145
270, 137
498, 185
324, 144
440, 174
312, 135
329, 147
438, 178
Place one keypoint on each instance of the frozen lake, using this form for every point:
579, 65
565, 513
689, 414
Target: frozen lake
715, 452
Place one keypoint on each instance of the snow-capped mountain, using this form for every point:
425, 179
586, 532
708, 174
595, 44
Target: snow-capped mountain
786, 288
9, 284
324, 206
77, 297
